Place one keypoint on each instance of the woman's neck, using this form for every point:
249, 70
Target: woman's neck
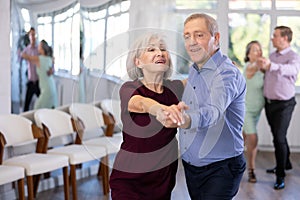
154, 84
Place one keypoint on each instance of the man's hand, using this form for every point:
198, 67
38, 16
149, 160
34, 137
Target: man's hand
264, 64
172, 116
50, 71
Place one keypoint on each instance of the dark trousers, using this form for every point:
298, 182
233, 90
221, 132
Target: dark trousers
32, 88
279, 114
219, 180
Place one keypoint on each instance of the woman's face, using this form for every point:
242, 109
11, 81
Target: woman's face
255, 52
155, 57
40, 49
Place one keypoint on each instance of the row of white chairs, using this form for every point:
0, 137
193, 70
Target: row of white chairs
94, 140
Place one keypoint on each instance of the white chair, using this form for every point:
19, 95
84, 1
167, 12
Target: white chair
18, 130
112, 109
10, 174
57, 123
94, 127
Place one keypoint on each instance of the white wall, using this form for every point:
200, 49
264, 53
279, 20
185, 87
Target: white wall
5, 78
98, 87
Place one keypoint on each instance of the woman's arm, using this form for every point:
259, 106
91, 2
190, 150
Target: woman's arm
34, 59
184, 81
140, 104
251, 69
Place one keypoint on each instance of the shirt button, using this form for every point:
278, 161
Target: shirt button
184, 132
194, 87
191, 102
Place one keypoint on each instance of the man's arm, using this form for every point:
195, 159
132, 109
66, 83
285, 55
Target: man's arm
50, 71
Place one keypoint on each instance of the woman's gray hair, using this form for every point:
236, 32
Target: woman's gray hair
137, 50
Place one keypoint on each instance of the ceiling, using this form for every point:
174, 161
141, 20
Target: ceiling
43, 5
33, 2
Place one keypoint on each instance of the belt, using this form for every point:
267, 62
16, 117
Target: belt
271, 101
214, 163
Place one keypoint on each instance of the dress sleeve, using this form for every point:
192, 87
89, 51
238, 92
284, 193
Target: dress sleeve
127, 90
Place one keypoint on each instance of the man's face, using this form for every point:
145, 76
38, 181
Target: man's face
278, 41
32, 36
199, 43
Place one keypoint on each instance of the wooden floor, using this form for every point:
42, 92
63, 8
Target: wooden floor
91, 189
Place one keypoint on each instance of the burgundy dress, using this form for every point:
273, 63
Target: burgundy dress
146, 166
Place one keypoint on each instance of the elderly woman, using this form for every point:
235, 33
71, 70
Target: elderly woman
44, 63
146, 165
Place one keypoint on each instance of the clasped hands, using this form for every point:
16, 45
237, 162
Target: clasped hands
263, 64
172, 116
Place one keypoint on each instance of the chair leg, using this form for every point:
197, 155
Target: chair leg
30, 187
21, 189
47, 175
105, 174
66, 183
36, 181
100, 170
73, 181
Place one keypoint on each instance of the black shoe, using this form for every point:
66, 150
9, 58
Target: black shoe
273, 170
288, 166
279, 183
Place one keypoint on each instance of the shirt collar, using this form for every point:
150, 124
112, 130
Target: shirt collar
284, 51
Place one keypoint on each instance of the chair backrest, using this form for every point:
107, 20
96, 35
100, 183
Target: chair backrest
58, 122
92, 118
64, 108
28, 114
16, 129
113, 107
90, 115
19, 134
2, 146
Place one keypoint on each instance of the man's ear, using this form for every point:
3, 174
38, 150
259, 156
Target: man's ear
286, 38
217, 38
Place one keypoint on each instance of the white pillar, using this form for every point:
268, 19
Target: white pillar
5, 75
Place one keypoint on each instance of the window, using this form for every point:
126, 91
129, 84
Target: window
45, 29
26, 17
196, 4
93, 25
61, 30
104, 31
250, 5
247, 20
245, 27
287, 4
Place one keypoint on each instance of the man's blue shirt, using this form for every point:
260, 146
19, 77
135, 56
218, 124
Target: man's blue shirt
215, 95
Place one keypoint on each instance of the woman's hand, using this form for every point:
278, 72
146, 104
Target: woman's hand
172, 116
